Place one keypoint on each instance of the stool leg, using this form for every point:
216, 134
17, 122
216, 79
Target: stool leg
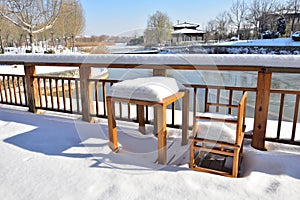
141, 119
162, 133
112, 129
185, 117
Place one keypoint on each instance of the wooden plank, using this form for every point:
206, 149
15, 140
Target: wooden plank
261, 109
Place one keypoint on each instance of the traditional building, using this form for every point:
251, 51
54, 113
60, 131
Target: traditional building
187, 32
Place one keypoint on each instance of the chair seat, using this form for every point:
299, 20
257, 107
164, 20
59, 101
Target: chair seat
216, 130
153, 89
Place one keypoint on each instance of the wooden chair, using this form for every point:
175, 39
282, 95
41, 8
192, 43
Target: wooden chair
218, 141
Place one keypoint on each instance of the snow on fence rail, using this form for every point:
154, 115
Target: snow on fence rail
53, 93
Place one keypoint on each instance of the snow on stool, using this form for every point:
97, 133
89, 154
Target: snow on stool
154, 89
151, 91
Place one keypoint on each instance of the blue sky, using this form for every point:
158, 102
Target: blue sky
118, 17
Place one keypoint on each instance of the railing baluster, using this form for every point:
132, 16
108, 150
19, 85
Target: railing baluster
9, 89
230, 101
45, 91
77, 95
63, 93
51, 93
25, 90
295, 117
20, 90
173, 114
57, 93
1, 95
280, 115
70, 95
96, 97
104, 97
206, 100
14, 90
40, 91
218, 100
5, 89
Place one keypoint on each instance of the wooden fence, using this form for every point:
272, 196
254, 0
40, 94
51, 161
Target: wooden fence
86, 96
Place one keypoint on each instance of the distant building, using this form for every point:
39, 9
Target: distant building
187, 32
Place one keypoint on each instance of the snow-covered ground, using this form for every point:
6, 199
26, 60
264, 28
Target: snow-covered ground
281, 42
60, 157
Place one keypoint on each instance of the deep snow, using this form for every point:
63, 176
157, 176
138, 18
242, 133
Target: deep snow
60, 157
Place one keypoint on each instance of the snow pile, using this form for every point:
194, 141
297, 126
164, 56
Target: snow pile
48, 157
148, 89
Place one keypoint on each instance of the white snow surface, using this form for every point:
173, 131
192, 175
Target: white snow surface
218, 131
163, 60
263, 42
60, 157
153, 89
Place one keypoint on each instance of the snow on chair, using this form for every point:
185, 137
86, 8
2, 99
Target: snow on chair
156, 91
217, 144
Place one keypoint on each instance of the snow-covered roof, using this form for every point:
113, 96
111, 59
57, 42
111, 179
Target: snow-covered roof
187, 31
185, 25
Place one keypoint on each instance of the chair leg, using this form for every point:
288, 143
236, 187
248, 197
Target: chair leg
235, 165
192, 155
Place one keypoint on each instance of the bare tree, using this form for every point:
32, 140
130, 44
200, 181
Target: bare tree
8, 34
158, 29
70, 22
33, 16
259, 13
293, 9
222, 24
238, 13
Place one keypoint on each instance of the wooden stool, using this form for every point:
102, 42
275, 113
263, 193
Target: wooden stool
159, 102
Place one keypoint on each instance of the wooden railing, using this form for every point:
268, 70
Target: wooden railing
87, 96
13, 90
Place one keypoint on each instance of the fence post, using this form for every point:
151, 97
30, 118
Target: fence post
261, 109
86, 92
31, 87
